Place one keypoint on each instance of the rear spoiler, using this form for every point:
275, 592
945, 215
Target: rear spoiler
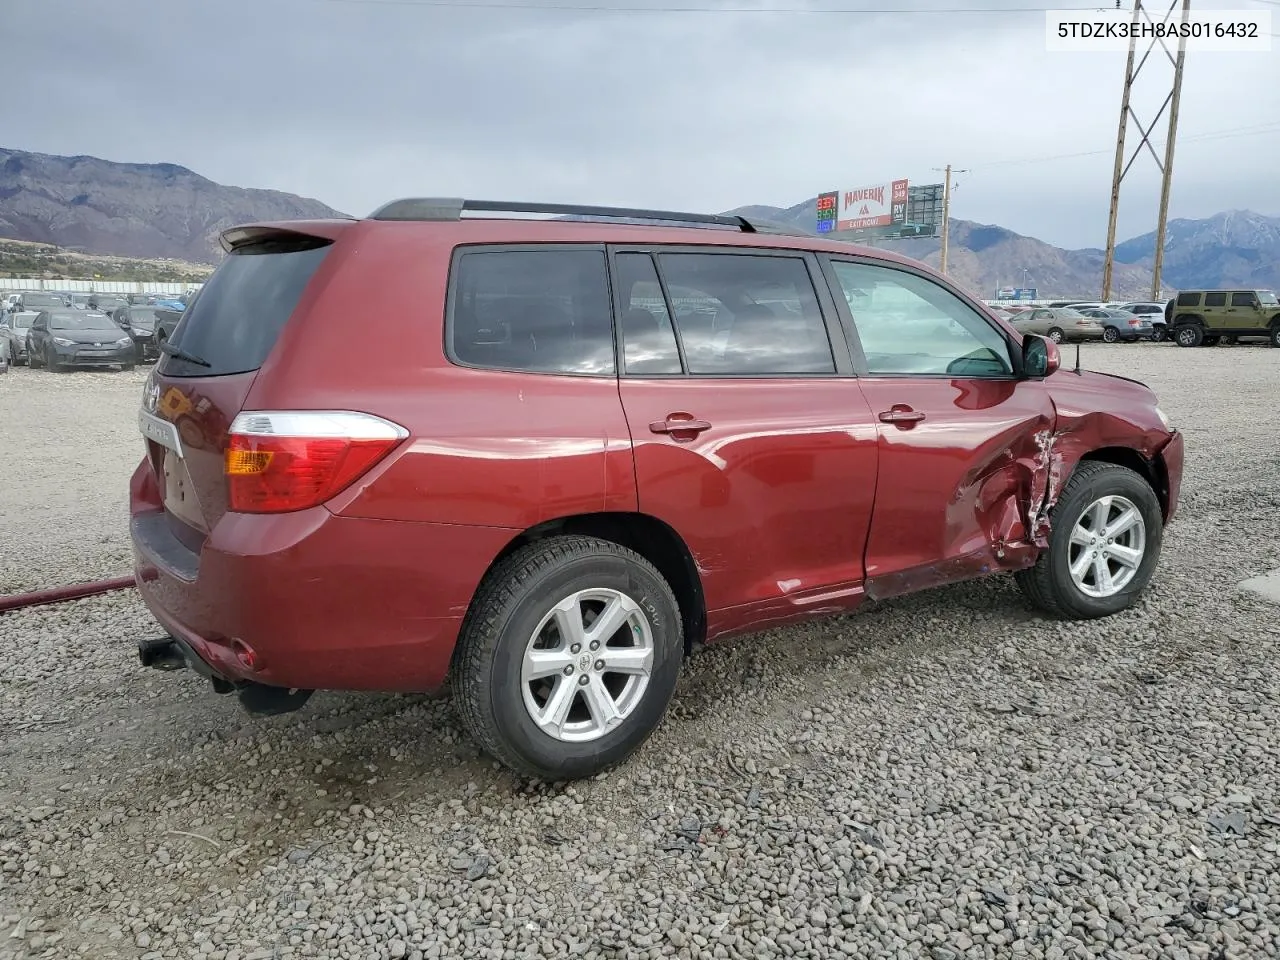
240, 235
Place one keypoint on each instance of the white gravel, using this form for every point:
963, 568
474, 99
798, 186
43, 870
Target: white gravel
944, 776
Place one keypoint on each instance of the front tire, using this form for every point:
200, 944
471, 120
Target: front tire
1107, 530
1273, 337
568, 657
1056, 334
51, 360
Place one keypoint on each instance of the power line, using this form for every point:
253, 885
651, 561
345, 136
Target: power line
1249, 131
511, 5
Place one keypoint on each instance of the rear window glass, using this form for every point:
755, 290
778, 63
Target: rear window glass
541, 311
237, 317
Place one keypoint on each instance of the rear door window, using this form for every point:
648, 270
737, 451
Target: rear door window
1215, 299
747, 314
237, 318
538, 311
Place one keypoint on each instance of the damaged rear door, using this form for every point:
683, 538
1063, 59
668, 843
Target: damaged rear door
964, 440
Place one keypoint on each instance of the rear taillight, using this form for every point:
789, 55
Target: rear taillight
278, 461
1135, 323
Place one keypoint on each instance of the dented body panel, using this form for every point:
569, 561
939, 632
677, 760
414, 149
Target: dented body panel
970, 489
956, 491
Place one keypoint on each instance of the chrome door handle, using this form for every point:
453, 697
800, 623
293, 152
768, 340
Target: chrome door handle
679, 425
901, 414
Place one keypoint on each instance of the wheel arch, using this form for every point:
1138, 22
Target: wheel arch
648, 536
1153, 471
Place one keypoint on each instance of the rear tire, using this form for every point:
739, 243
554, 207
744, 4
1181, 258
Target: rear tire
1111, 335
1096, 490
1273, 337
528, 611
1188, 336
1158, 335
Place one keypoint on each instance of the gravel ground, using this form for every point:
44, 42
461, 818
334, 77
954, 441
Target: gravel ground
942, 776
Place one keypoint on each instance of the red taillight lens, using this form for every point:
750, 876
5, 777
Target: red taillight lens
277, 462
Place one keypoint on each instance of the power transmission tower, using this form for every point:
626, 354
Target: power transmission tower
1166, 165
946, 216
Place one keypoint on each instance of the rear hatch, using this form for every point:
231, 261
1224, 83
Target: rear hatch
211, 361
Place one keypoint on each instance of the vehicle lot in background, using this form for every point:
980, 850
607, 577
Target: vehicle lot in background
1068, 748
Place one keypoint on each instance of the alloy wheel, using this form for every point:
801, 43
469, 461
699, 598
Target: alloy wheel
1107, 546
587, 665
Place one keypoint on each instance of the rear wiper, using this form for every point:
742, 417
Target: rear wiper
177, 352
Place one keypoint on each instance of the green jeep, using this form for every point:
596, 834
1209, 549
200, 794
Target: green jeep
1208, 317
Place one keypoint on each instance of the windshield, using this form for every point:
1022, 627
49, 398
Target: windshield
81, 321
1267, 298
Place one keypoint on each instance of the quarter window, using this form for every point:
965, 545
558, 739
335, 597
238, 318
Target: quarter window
909, 325
747, 314
1188, 299
543, 311
648, 342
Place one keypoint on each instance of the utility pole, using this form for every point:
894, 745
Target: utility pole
946, 216
1165, 166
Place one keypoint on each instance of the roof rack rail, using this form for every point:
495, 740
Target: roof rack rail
449, 208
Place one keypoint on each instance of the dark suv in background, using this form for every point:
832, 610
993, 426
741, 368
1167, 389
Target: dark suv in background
596, 443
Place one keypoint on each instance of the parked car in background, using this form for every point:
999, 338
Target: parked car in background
13, 330
1119, 325
78, 338
796, 450
1208, 316
1153, 311
1059, 324
140, 323
106, 303
39, 300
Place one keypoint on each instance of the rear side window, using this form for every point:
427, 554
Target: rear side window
747, 315
539, 311
1188, 299
235, 320
1215, 299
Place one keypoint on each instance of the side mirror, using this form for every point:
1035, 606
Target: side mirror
1039, 357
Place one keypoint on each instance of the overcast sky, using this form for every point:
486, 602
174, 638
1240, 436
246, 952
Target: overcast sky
358, 101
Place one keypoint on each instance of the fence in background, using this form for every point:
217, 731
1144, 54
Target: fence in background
93, 286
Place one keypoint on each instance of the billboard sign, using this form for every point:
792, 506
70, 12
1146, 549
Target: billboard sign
885, 211
1017, 293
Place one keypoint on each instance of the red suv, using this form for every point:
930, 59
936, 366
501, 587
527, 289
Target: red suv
540, 458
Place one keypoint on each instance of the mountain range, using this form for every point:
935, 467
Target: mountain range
164, 210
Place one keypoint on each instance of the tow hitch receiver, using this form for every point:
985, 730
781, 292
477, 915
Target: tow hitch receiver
161, 653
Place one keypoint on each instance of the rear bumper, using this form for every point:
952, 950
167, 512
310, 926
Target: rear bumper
324, 602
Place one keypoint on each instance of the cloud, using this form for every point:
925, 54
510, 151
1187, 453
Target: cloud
356, 102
